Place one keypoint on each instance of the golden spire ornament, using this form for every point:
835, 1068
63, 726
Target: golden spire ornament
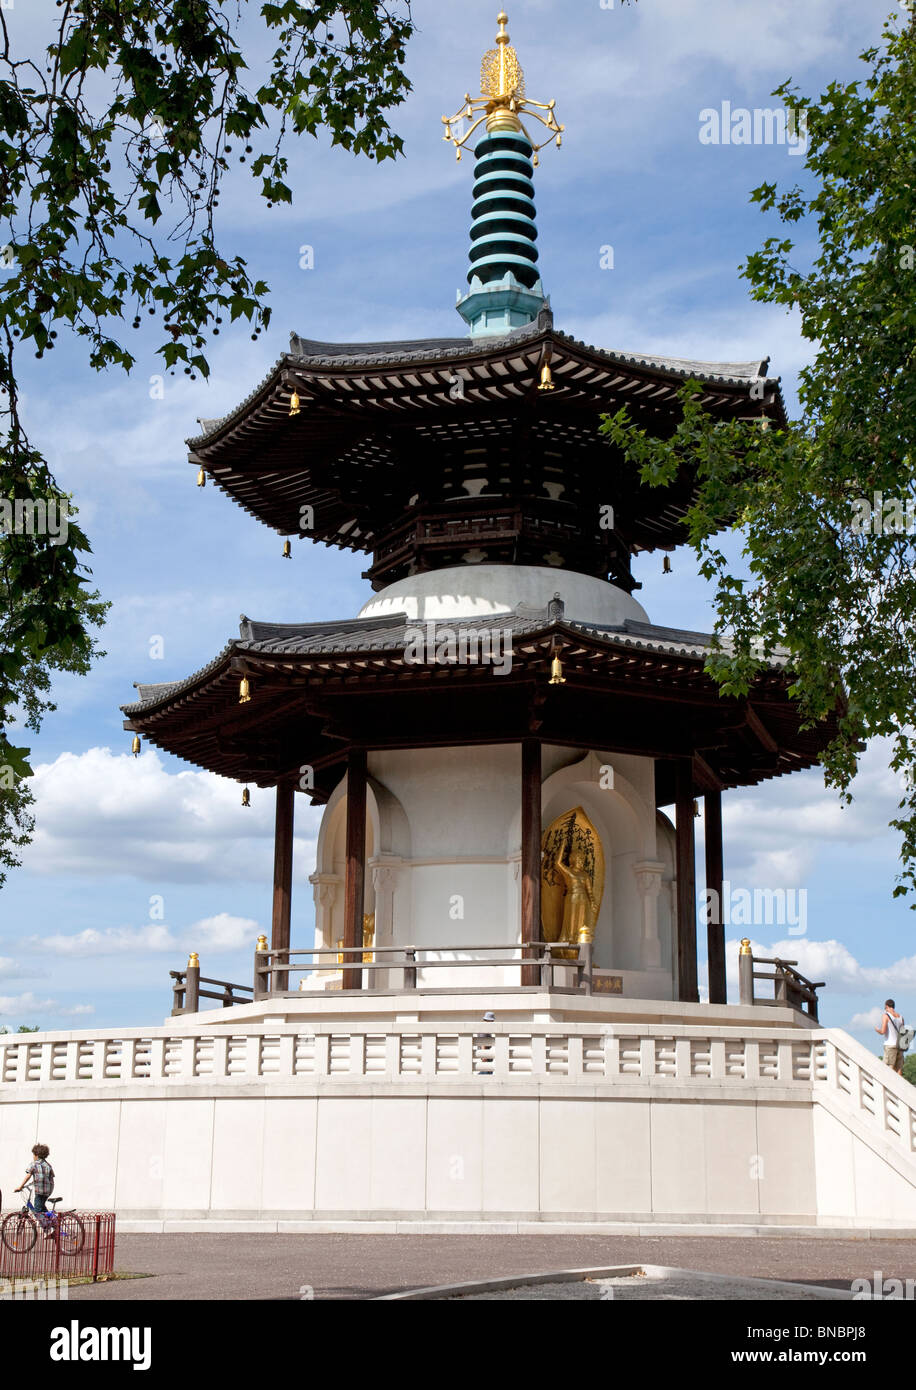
503, 99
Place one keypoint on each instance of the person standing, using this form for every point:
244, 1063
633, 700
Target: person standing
891, 1025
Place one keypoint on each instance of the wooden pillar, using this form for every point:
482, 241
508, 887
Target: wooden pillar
531, 852
355, 888
686, 885
283, 877
715, 930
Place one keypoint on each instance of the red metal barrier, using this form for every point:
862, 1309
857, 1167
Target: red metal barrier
95, 1260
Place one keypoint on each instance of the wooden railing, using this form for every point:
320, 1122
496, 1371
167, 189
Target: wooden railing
789, 986
540, 959
187, 992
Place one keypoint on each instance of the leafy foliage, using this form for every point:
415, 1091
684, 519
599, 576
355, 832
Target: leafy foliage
114, 147
839, 597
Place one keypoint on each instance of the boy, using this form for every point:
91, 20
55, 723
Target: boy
41, 1175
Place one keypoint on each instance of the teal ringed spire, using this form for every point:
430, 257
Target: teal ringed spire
505, 289
505, 286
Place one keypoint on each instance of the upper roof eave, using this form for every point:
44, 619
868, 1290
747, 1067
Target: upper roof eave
305, 352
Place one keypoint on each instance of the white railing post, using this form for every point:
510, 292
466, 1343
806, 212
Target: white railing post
323, 1054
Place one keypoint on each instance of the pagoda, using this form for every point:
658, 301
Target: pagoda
494, 735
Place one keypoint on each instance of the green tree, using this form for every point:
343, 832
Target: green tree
840, 597
909, 1068
114, 147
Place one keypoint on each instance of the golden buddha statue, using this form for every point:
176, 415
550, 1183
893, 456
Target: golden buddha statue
580, 908
572, 882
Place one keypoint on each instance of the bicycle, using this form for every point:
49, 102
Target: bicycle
19, 1231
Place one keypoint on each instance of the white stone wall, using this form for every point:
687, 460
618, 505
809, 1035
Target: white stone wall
542, 1124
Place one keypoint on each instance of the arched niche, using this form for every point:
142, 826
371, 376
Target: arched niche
626, 824
387, 848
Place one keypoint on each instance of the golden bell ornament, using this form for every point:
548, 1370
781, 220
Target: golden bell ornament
244, 691
556, 672
666, 566
287, 551
135, 746
294, 404
547, 383
193, 961
696, 810
262, 944
246, 797
201, 478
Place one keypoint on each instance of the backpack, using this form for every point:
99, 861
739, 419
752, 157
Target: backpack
905, 1036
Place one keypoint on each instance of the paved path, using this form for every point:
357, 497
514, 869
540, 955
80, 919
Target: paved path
355, 1266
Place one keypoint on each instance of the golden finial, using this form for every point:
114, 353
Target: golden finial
745, 946
503, 100
193, 961
262, 943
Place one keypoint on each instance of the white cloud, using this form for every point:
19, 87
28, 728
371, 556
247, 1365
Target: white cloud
212, 934
11, 969
100, 813
18, 1005
861, 1022
111, 942
222, 933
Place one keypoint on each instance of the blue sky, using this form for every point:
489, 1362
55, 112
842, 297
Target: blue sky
135, 862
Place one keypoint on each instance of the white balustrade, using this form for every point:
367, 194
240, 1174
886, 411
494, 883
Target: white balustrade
820, 1064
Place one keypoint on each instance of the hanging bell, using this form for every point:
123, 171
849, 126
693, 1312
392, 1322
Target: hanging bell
201, 478
135, 746
287, 550
294, 404
546, 378
696, 810
244, 691
666, 566
556, 672
246, 797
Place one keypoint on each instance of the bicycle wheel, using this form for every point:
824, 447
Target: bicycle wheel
18, 1233
71, 1234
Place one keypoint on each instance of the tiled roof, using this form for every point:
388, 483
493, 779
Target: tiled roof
365, 635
